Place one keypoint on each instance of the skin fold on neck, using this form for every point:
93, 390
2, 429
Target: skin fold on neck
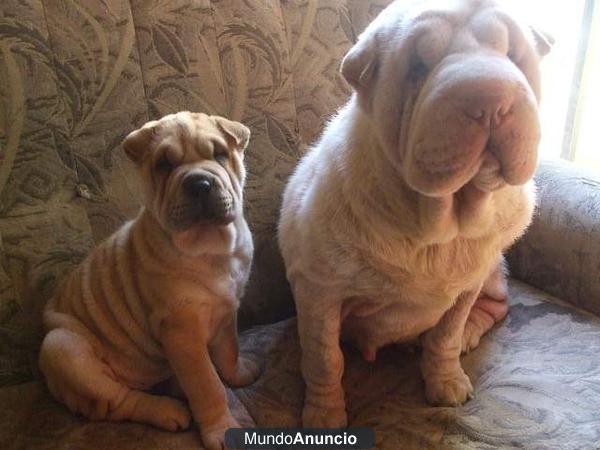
429, 220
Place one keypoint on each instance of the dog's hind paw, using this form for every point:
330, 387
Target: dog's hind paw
484, 314
452, 390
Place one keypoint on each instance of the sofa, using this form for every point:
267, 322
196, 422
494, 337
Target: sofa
76, 77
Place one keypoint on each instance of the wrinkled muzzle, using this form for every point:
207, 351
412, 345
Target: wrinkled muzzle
476, 119
200, 197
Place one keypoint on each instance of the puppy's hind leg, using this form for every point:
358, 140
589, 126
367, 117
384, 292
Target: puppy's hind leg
79, 378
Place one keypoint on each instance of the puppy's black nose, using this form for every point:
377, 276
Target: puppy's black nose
197, 185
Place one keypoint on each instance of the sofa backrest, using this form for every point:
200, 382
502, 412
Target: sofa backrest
560, 253
76, 77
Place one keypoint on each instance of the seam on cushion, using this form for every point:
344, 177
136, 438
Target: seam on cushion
221, 69
301, 146
139, 54
292, 74
11, 289
349, 9
59, 91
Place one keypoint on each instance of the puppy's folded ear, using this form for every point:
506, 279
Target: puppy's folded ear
543, 41
237, 134
137, 142
359, 66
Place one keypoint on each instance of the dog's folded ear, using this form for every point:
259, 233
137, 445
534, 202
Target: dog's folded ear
237, 134
359, 66
137, 142
543, 41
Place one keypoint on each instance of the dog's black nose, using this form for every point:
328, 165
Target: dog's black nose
197, 185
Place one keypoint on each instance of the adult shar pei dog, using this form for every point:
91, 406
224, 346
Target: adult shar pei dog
394, 224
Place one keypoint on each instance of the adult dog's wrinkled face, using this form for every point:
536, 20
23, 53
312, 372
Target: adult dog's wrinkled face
192, 168
451, 88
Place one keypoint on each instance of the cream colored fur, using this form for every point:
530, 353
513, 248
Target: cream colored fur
397, 217
159, 297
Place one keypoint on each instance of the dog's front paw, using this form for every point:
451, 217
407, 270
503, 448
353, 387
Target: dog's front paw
213, 435
247, 372
320, 417
451, 390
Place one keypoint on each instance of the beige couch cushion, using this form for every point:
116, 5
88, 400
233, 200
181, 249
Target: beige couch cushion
536, 379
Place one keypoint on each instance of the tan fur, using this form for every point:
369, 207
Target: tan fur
159, 297
395, 220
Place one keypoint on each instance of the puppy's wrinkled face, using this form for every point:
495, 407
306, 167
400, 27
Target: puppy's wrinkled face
451, 88
192, 168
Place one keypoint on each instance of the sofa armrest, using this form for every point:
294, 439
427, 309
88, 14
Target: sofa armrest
560, 253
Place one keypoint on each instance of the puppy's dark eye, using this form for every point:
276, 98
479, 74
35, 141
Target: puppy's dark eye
164, 165
220, 154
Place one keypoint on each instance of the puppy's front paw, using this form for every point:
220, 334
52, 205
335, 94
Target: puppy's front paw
213, 435
247, 373
319, 417
171, 414
450, 390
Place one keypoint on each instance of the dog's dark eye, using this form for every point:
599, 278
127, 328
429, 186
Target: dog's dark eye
164, 165
418, 70
512, 55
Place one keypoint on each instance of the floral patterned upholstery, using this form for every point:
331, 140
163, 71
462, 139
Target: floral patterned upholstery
75, 77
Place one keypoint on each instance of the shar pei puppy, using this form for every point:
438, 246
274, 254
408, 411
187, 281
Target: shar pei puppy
394, 224
158, 299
